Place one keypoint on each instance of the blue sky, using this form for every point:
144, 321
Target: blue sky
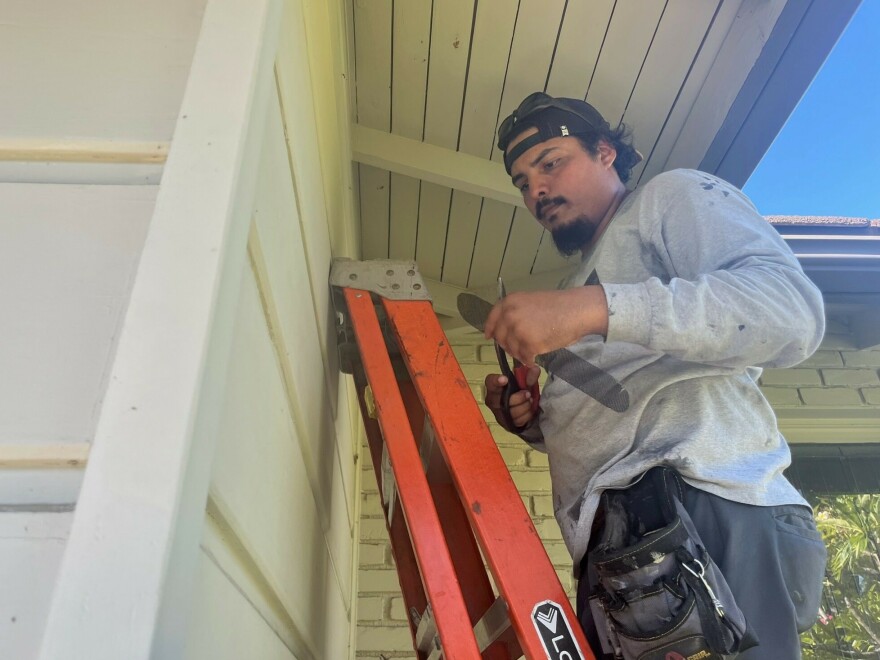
826, 160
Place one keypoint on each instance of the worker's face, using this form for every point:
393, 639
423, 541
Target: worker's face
566, 188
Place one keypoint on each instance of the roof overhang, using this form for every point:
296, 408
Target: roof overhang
704, 84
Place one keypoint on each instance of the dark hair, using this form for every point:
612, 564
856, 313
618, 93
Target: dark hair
621, 139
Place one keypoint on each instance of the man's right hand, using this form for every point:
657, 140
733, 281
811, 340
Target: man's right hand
520, 402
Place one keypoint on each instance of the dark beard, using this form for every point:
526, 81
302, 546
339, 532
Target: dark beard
570, 238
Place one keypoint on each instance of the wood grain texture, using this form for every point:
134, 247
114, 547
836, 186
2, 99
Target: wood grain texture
82, 151
44, 456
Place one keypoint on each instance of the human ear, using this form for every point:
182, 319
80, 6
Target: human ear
607, 154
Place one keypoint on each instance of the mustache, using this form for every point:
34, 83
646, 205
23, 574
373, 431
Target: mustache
545, 202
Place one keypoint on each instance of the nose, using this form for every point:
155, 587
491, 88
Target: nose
538, 188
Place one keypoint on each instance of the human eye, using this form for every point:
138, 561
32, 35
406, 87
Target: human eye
551, 163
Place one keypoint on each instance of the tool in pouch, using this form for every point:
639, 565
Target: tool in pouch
655, 591
561, 363
517, 378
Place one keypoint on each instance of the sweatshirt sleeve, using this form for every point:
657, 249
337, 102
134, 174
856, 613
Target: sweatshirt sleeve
532, 435
735, 294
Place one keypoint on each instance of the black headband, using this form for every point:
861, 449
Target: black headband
550, 123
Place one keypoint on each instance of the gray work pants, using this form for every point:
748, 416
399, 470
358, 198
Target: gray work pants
772, 557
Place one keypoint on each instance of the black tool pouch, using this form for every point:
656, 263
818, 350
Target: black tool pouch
658, 594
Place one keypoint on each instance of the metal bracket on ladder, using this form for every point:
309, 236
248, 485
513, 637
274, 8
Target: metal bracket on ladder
450, 500
389, 486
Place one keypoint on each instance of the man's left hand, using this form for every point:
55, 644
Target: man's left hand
528, 324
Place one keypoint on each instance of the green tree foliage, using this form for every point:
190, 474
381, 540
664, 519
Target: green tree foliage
849, 621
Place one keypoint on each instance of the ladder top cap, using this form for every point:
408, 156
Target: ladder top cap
393, 280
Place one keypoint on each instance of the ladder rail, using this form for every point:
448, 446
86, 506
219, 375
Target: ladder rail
417, 505
411, 588
497, 515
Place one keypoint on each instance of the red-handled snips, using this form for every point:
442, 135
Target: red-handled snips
516, 377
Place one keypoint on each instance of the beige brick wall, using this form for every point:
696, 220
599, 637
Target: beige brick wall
837, 375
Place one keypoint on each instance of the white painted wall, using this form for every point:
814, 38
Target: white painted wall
178, 337
95, 69
281, 502
83, 75
68, 255
31, 545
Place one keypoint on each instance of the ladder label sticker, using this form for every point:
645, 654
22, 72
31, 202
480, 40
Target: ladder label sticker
555, 632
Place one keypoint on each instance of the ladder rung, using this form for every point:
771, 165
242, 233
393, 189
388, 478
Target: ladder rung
426, 632
437, 653
492, 624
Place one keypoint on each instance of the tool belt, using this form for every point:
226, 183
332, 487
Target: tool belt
656, 593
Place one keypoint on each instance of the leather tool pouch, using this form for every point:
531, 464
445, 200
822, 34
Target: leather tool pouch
658, 593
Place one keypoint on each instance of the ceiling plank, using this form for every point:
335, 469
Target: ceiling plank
451, 26
432, 163
742, 45
450, 45
433, 219
626, 45
492, 233
530, 54
675, 46
656, 155
463, 219
372, 27
493, 34
374, 212
403, 214
411, 35
522, 246
529, 63
577, 52
372, 36
492, 37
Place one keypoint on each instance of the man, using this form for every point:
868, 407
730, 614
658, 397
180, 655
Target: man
683, 293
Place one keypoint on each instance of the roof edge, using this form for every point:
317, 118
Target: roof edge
799, 44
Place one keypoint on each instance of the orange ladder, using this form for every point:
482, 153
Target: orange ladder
449, 496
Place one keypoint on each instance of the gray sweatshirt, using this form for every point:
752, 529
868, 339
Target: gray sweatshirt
702, 293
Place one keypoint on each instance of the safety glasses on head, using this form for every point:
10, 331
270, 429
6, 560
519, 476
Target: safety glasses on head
553, 117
